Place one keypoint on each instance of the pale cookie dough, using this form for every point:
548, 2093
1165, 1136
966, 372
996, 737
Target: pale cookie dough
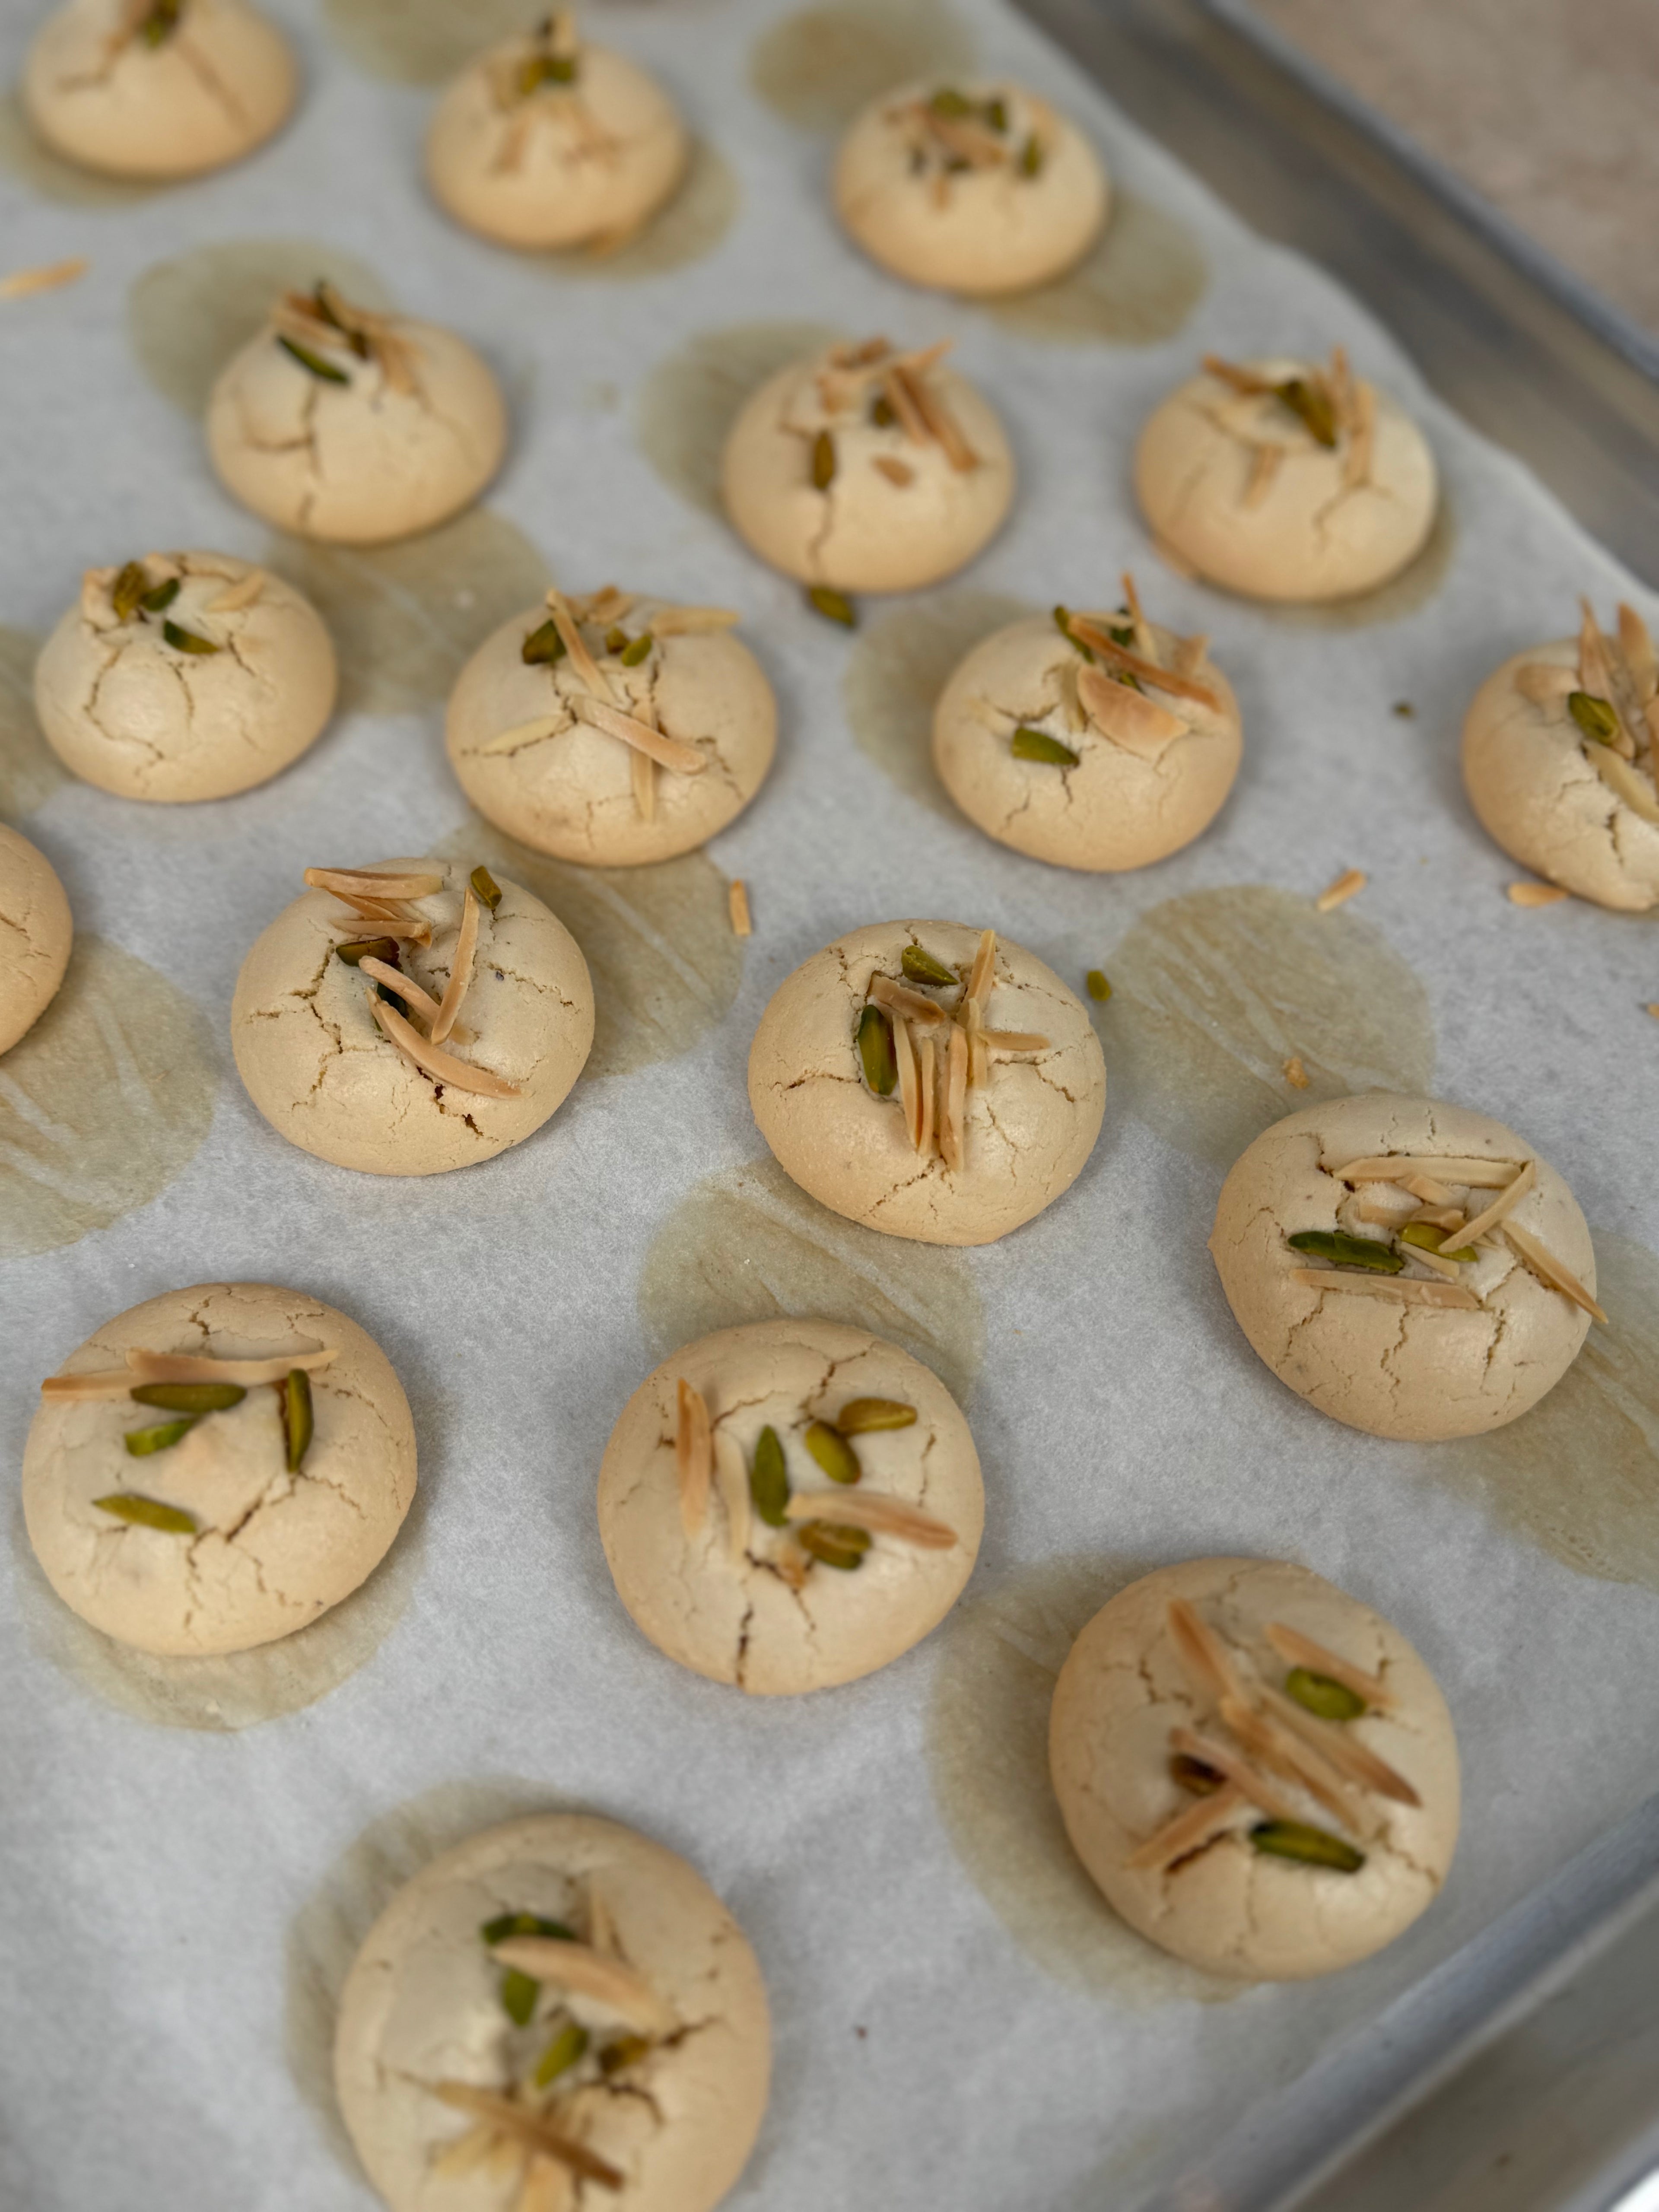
235, 1524
1561, 761
1258, 1770
977, 188
1097, 741
1400, 1333
567, 1977
411, 1017
544, 141
36, 933
613, 729
353, 427
157, 88
1283, 480
928, 1080
864, 469
790, 1505
185, 675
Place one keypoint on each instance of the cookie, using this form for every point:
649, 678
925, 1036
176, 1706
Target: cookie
36, 933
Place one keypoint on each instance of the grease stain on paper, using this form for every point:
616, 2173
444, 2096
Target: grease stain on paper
1214, 992
27, 157
189, 316
421, 41
998, 1656
103, 1103
749, 1245
29, 770
692, 225
690, 401
658, 941
896, 671
1137, 286
818, 67
406, 618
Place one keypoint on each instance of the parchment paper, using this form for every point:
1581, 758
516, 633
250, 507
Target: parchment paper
957, 2021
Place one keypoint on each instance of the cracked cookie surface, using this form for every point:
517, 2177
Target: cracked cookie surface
36, 934
733, 1598
1227, 1905
423, 2004
272, 1549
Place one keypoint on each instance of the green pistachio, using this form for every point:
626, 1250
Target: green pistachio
322, 298
567, 2047
1321, 1693
834, 1544
190, 1397
327, 372
1593, 716
769, 1479
186, 641
1293, 1840
1312, 404
127, 592
1097, 984
921, 967
875, 1042
951, 103
1031, 157
615, 638
538, 70
862, 1417
626, 2051
158, 601
356, 948
147, 1512
160, 24
1063, 624
995, 113
832, 1452
1405, 709
834, 606
519, 1993
1030, 744
824, 461
637, 650
1428, 1239
524, 1923
1345, 1251
144, 1442
544, 647
1192, 1774
486, 886
298, 1423
881, 412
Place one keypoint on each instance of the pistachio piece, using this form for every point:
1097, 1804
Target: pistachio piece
538, 70
995, 113
1030, 744
326, 372
637, 649
824, 461
147, 1512
1192, 1774
518, 1995
367, 948
949, 102
128, 590
1063, 624
1428, 1239
157, 602
567, 2047
835, 1544
861, 1417
834, 606
876, 1053
832, 1452
768, 1480
626, 2051
143, 1442
544, 647
615, 638
882, 413
486, 886
1593, 716
1096, 984
921, 967
1322, 1695
1312, 404
1295, 1839
186, 641
524, 1923
1345, 1251
190, 1397
160, 24
1031, 157
298, 1424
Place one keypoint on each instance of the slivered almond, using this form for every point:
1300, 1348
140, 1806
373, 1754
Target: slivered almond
97, 1382
461, 974
582, 663
979, 147
667, 752
1341, 382
694, 1457
1300, 1650
1544, 683
520, 734
607, 604
1404, 1289
895, 470
1238, 1770
1128, 718
1013, 1041
1635, 644
1203, 1654
1295, 1761
953, 1100
1144, 641
643, 779
199, 1367
1189, 1831
1449, 1271
547, 2187
1336, 894
1439, 1217
589, 1973
909, 1079
433, 1060
1509, 1197
1085, 629
1357, 463
1439, 1169
527, 2127
940, 425
601, 1926
900, 397
1628, 780
1428, 1188
1265, 463
983, 974
1295, 1073
1526, 894
23, 283
1230, 373
731, 1478
242, 593
465, 2152
737, 901
368, 883
910, 1005
405, 986
692, 622
925, 1060
881, 1515
1544, 1264
1598, 675
1341, 1749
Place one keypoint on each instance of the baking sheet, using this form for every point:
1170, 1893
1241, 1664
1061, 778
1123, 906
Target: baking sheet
190, 1859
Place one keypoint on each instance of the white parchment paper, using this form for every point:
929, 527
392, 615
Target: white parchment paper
165, 1894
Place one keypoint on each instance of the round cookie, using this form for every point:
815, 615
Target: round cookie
864, 469
830, 1585
345, 1051
633, 2033
1202, 1832
1044, 745
36, 932
532, 727
1561, 763
352, 426
1316, 495
929, 1081
542, 142
233, 1526
980, 188
185, 675
158, 90
1337, 1238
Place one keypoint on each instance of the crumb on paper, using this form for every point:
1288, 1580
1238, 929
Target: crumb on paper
22, 283
1524, 894
1337, 893
1295, 1073
1099, 989
738, 900
1405, 709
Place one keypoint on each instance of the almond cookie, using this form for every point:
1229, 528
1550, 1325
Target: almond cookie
36, 935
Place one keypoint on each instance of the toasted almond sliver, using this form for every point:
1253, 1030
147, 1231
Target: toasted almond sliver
1238, 1770
1636, 643
1189, 1831
667, 752
582, 663
461, 974
881, 1515
1544, 682
1430, 1189
1231, 372
925, 1060
895, 470
1085, 628
692, 622
407, 989
601, 1926
953, 1088
242, 593
1543, 1263
910, 1006
1203, 1654
1336, 894
1406, 1290
694, 1457
1295, 1761
643, 779
465, 2152
527, 2127
1449, 1271
1013, 1041
1265, 463
198, 1367
1130, 719
1344, 1751
433, 1060
900, 397
589, 1973
1295, 1073
1300, 1650
99, 1382
909, 1079
1526, 894
732, 1477
981, 976
942, 425
22, 283
1440, 1170
366, 883
1357, 463
1623, 778
547, 2187
1509, 1197
737, 901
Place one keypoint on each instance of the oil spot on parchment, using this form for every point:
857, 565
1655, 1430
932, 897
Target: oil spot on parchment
658, 941
406, 618
691, 398
1214, 992
692, 225
103, 1103
819, 67
422, 41
27, 157
189, 316
988, 1759
1578, 1475
29, 770
328, 1930
749, 1245
1137, 287
896, 671
238, 1689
